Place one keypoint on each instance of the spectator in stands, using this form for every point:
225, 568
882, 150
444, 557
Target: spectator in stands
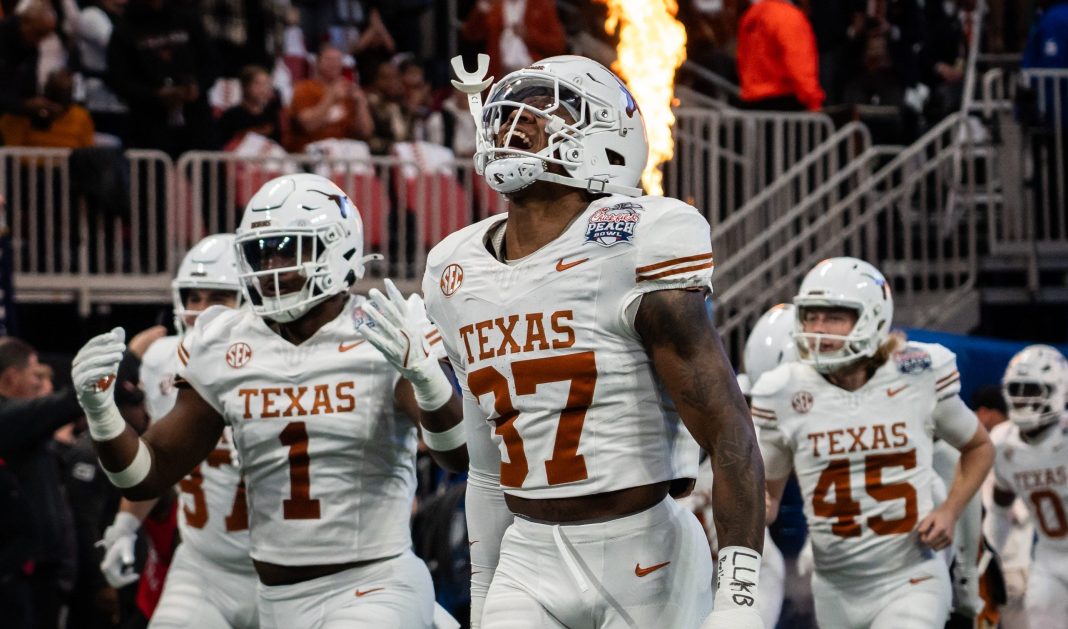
386, 97
945, 53
160, 62
27, 421
70, 126
108, 111
878, 85
20, 36
777, 58
515, 33
458, 127
259, 111
1044, 109
426, 122
244, 33
329, 105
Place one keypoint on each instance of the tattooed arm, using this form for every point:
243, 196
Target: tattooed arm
690, 361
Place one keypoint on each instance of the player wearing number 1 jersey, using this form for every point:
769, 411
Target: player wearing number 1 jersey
566, 320
322, 421
1032, 464
854, 418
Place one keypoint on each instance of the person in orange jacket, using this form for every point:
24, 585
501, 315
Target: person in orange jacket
778, 65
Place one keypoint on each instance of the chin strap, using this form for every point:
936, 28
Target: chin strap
595, 186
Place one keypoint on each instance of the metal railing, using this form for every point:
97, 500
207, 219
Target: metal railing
65, 249
725, 157
903, 216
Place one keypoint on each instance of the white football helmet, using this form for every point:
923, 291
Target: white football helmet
603, 150
844, 283
1035, 385
770, 343
308, 223
210, 264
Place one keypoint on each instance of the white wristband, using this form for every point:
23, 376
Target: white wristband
430, 384
737, 575
446, 440
106, 424
135, 472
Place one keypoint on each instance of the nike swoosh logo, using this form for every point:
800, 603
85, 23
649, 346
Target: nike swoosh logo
361, 593
562, 266
342, 347
916, 580
893, 392
641, 572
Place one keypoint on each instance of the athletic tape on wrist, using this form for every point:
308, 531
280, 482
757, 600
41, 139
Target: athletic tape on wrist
135, 472
446, 440
431, 387
106, 424
737, 575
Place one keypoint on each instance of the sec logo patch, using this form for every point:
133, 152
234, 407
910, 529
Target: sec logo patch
451, 279
238, 355
802, 402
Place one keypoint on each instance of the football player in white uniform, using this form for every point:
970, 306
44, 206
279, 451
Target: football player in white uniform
211, 582
323, 423
854, 418
1032, 464
564, 321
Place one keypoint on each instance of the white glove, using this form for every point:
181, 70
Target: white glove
119, 541
94, 369
966, 599
737, 618
806, 563
398, 334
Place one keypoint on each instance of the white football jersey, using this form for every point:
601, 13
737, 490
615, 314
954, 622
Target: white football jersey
546, 349
862, 458
1037, 473
213, 519
158, 367
328, 460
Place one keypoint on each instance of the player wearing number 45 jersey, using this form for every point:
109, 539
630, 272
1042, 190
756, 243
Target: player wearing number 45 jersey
565, 321
317, 416
1032, 464
854, 418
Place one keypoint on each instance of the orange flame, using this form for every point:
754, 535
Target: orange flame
652, 46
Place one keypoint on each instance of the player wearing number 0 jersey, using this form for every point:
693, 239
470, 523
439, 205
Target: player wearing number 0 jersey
854, 419
1032, 465
569, 321
322, 421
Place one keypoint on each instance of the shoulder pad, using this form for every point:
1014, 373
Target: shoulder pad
774, 381
442, 251
916, 358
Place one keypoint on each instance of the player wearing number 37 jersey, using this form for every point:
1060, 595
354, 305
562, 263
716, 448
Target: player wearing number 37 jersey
565, 320
323, 421
855, 418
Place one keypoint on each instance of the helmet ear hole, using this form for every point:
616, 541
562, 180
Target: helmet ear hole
615, 158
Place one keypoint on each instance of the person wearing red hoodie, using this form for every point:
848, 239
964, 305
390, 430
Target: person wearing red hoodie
777, 59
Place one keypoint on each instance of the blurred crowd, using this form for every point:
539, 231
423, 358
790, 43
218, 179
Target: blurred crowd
180, 75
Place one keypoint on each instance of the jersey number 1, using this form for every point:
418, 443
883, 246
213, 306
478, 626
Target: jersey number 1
566, 464
845, 510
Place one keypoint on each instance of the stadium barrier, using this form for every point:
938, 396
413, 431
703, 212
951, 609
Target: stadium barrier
908, 215
724, 157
